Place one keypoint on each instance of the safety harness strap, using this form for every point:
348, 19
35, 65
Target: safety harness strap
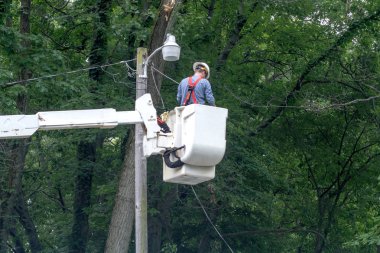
190, 91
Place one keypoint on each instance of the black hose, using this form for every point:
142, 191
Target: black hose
167, 160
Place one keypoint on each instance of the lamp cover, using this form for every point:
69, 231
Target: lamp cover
171, 50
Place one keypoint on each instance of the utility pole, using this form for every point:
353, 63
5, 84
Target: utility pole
141, 201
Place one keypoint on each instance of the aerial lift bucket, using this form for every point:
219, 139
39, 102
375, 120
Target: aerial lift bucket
200, 134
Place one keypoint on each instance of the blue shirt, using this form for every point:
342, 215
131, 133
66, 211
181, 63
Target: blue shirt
202, 91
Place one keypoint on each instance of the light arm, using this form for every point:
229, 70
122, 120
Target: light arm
145, 73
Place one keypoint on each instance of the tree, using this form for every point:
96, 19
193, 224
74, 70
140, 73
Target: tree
87, 149
122, 219
12, 194
299, 79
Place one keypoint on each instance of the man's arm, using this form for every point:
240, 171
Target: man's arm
209, 96
179, 94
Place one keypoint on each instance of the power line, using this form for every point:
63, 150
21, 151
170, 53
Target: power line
9, 84
168, 77
130, 68
132, 71
209, 220
238, 98
309, 108
158, 91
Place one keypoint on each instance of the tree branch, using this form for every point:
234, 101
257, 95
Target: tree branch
274, 231
346, 36
234, 37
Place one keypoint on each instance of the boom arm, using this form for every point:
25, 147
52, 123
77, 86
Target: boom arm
198, 133
23, 126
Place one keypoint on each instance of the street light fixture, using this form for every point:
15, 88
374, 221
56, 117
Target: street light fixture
170, 52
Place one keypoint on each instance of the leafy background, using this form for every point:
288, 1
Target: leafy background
300, 80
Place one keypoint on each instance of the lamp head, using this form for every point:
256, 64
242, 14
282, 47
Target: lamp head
170, 49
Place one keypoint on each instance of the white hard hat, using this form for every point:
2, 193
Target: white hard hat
204, 65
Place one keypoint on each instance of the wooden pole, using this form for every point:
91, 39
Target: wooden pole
141, 202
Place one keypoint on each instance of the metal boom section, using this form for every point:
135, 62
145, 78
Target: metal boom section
23, 126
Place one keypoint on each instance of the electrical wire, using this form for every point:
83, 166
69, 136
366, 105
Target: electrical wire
9, 84
168, 77
238, 98
158, 91
308, 108
130, 68
209, 220
132, 72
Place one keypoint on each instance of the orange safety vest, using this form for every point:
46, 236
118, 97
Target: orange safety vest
190, 91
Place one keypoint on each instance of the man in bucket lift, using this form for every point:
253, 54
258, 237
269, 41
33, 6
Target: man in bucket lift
196, 89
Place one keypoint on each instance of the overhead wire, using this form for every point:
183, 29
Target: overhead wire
158, 91
235, 96
131, 69
9, 84
168, 77
210, 221
309, 108
132, 73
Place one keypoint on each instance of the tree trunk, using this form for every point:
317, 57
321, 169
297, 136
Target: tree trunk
87, 149
159, 223
155, 233
80, 229
123, 214
162, 26
19, 247
15, 151
319, 244
10, 193
319, 240
205, 243
121, 226
28, 224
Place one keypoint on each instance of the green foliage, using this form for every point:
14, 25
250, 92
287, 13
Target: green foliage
307, 183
